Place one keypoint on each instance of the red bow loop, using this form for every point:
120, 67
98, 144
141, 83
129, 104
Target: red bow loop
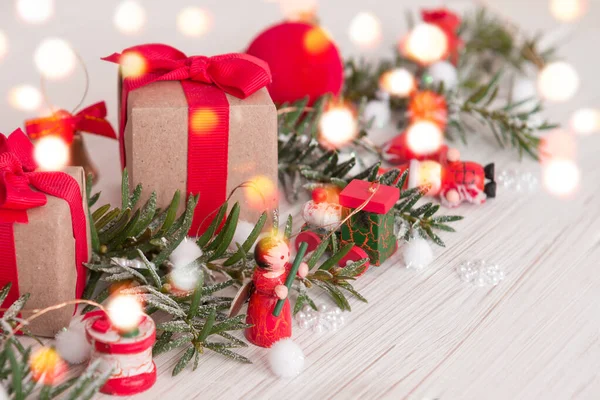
64, 124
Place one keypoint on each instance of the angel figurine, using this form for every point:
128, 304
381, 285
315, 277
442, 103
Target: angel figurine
272, 255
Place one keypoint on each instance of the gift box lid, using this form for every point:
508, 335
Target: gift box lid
358, 191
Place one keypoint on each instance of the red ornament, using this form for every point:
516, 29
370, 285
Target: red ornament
319, 195
449, 22
304, 61
430, 106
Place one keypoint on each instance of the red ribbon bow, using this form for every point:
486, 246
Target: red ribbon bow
64, 124
237, 74
17, 176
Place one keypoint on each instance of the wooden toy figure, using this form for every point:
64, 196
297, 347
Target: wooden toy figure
372, 228
268, 286
453, 180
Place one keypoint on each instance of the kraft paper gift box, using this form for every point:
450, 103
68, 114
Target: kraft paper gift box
208, 142
39, 250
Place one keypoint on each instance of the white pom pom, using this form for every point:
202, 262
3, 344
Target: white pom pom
185, 253
286, 358
3, 393
242, 231
417, 253
72, 344
380, 111
444, 71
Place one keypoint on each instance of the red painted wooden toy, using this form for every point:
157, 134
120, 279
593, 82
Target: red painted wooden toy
266, 288
453, 180
397, 151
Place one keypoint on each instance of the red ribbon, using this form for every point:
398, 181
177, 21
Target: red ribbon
204, 80
63, 124
17, 176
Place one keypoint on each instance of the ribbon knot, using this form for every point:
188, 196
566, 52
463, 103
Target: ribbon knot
198, 69
64, 124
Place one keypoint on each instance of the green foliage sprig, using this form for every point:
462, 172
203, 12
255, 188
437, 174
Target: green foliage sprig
15, 371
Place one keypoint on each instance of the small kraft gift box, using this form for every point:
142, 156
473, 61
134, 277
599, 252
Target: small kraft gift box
44, 234
372, 227
200, 125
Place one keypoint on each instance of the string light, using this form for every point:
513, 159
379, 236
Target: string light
261, 193
586, 121
365, 30
399, 82
130, 17
426, 43
51, 153
424, 137
568, 10
3, 45
125, 312
558, 144
298, 9
194, 21
35, 11
561, 177
47, 367
558, 81
54, 58
25, 98
338, 126
132, 64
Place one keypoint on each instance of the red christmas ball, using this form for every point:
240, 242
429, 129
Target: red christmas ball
319, 195
303, 59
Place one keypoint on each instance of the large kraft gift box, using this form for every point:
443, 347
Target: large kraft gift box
40, 253
202, 125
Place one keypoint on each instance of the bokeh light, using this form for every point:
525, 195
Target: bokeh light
132, 64
561, 177
51, 153
398, 82
424, 137
194, 21
261, 193
3, 45
125, 312
426, 43
317, 40
585, 121
558, 81
338, 126
47, 367
35, 11
203, 120
130, 17
557, 144
25, 98
54, 58
298, 9
430, 173
365, 30
568, 10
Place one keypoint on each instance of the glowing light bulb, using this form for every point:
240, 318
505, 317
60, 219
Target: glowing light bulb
51, 153
426, 43
568, 10
558, 144
130, 17
3, 45
35, 11
298, 9
365, 30
558, 81
424, 137
338, 126
399, 82
125, 312
132, 65
54, 58
261, 193
194, 21
586, 121
561, 177
25, 98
